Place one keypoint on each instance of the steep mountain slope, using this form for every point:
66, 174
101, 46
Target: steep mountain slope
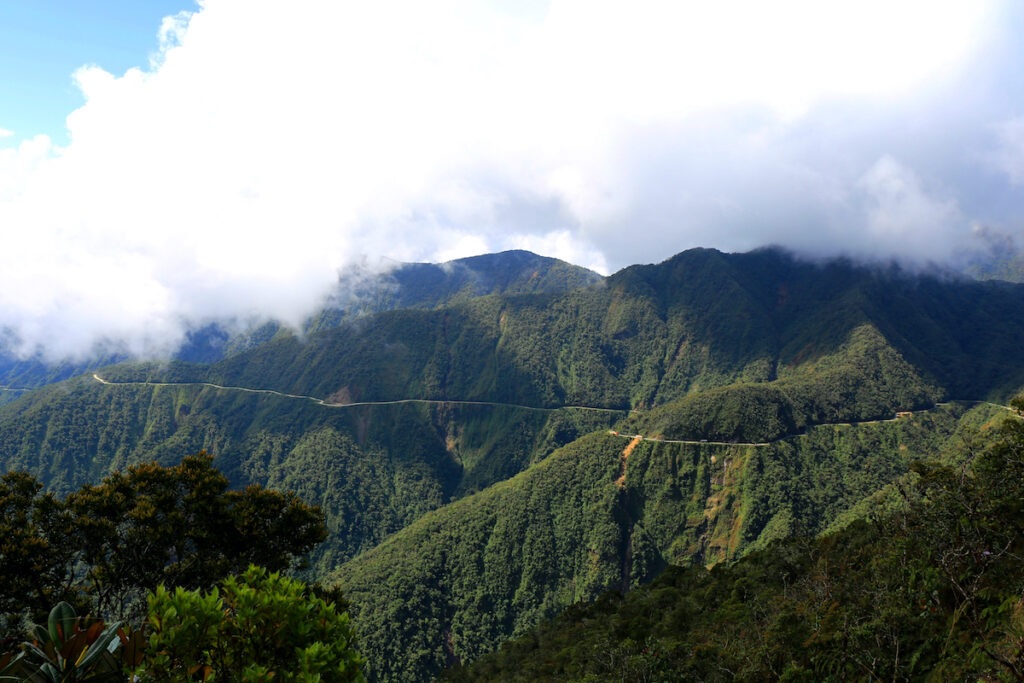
928, 589
650, 335
374, 469
18, 376
387, 418
428, 285
363, 291
360, 291
608, 512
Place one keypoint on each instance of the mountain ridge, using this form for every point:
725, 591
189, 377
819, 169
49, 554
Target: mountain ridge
719, 349
359, 291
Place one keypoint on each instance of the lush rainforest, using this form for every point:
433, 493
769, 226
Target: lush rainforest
929, 589
493, 442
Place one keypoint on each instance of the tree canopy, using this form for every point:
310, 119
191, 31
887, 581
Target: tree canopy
930, 590
255, 626
106, 545
160, 563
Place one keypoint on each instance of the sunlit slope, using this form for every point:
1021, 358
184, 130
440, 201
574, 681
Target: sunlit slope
649, 335
374, 469
916, 581
706, 345
389, 416
608, 512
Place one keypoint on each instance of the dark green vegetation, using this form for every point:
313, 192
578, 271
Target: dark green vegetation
360, 291
257, 626
18, 376
162, 563
104, 546
930, 590
429, 285
458, 581
499, 497
363, 291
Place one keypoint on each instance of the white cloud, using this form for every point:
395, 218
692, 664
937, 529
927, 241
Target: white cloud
1009, 156
266, 146
901, 210
560, 244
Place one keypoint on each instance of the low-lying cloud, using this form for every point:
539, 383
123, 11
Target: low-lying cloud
266, 146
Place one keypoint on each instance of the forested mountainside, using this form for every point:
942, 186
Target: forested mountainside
360, 291
600, 514
495, 440
19, 376
649, 335
428, 285
927, 589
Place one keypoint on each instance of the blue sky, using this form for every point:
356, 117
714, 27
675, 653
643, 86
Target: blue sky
42, 42
269, 145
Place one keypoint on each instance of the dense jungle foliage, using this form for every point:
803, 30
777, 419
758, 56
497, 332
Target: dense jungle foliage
105, 545
608, 513
254, 626
162, 564
931, 589
470, 433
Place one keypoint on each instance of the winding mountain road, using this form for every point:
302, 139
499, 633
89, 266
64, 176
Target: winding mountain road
354, 404
903, 415
635, 438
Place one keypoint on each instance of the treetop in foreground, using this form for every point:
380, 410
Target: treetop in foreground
106, 545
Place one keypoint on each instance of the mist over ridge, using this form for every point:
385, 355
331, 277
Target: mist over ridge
258, 153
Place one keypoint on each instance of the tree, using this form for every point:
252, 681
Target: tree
181, 526
105, 546
36, 549
269, 528
968, 524
258, 626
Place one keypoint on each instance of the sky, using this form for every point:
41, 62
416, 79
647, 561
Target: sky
169, 163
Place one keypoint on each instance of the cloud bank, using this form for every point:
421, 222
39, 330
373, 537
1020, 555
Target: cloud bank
267, 145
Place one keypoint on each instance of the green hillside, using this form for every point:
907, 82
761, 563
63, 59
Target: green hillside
604, 514
359, 291
474, 445
364, 291
649, 335
374, 469
927, 588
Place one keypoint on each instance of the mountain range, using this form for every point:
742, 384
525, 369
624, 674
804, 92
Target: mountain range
498, 438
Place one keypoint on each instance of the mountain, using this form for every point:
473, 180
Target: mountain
925, 589
597, 515
429, 285
361, 290
474, 434
20, 375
